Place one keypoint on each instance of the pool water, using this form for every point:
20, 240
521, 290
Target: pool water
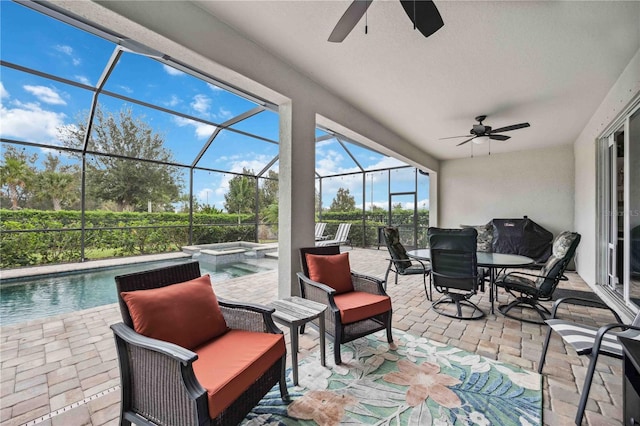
41, 297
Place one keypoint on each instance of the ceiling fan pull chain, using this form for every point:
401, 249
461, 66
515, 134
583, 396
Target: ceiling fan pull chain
414, 15
366, 22
489, 146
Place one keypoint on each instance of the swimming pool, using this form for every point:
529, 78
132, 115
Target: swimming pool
44, 296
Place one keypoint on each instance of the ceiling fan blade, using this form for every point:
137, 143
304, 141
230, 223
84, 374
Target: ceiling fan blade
349, 19
512, 127
499, 137
454, 137
468, 140
424, 15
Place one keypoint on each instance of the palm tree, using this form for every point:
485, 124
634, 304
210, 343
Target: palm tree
14, 174
58, 187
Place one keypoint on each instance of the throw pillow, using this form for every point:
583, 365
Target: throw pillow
186, 314
332, 270
485, 236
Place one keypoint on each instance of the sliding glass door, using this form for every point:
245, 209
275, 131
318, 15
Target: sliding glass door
619, 201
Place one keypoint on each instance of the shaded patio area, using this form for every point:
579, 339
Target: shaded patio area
68, 363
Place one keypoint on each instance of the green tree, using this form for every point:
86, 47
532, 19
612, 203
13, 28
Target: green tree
269, 190
57, 184
131, 184
241, 196
16, 174
343, 201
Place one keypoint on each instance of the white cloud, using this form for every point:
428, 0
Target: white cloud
29, 122
214, 87
201, 104
82, 79
45, 94
202, 130
171, 71
126, 89
68, 50
3, 92
224, 114
175, 100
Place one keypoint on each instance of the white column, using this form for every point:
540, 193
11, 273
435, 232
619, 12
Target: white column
296, 191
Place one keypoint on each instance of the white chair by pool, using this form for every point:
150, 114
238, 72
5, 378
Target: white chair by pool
341, 237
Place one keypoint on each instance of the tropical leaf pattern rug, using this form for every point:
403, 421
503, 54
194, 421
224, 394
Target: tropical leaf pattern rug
416, 381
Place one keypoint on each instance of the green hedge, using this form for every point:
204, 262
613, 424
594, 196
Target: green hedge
55, 246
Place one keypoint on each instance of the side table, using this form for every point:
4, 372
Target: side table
294, 312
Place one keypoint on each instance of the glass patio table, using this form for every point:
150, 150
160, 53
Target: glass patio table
491, 261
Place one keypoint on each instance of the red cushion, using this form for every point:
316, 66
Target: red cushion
186, 314
332, 270
229, 365
358, 305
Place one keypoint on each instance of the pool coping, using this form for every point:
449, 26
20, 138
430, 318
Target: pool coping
64, 268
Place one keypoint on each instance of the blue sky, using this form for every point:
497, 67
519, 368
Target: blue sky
35, 109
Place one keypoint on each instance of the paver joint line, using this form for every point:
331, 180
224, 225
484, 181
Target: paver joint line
71, 406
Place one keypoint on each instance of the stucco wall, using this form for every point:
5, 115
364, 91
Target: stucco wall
537, 183
620, 95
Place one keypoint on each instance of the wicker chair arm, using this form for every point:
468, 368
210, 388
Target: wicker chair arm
247, 316
591, 303
317, 292
178, 353
367, 284
165, 386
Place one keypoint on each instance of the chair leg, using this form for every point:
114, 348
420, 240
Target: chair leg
386, 276
587, 385
389, 335
545, 347
284, 391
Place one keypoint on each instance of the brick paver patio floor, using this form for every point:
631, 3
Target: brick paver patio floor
70, 360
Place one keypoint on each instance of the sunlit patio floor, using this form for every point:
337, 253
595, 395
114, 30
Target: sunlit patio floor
63, 370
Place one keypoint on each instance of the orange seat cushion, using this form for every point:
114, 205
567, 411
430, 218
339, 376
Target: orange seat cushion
229, 365
332, 270
186, 314
358, 305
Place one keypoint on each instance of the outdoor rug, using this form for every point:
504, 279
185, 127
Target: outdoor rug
415, 382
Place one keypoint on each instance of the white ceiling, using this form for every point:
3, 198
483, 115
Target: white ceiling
544, 62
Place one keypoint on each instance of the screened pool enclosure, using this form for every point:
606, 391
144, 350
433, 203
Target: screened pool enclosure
110, 148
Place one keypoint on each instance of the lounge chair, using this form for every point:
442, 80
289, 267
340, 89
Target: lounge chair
320, 226
341, 237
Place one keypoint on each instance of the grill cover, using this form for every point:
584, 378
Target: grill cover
522, 236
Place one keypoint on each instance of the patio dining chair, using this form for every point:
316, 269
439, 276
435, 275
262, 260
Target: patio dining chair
454, 271
588, 340
530, 289
399, 262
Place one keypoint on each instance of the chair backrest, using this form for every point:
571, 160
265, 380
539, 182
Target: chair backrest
342, 234
320, 226
322, 250
453, 258
154, 278
564, 248
396, 250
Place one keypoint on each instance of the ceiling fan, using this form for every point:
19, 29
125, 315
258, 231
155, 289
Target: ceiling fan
423, 14
486, 132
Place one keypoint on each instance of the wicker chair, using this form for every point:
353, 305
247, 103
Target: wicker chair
159, 385
368, 287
